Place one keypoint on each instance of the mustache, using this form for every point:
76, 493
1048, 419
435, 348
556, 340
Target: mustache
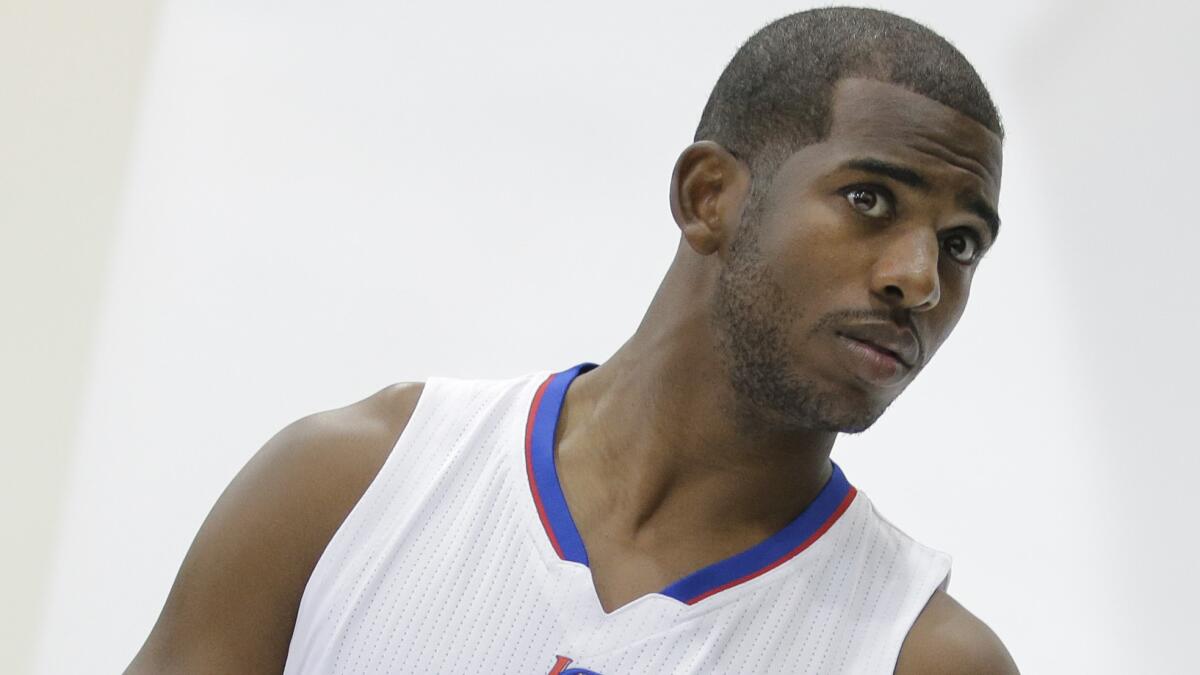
833, 319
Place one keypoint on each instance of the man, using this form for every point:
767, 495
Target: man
674, 509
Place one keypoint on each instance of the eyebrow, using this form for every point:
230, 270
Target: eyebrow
902, 174
895, 172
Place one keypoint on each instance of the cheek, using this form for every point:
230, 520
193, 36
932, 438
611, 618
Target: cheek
812, 253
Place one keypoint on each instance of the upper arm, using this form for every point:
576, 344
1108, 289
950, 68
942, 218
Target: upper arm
233, 606
946, 639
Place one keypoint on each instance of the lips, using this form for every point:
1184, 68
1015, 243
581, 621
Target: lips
898, 343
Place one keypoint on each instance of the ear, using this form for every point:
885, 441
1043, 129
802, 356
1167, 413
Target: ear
709, 187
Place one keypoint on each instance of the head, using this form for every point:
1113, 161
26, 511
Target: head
838, 198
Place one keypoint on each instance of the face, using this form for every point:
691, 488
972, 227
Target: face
855, 263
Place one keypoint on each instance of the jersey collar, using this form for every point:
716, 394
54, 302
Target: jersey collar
820, 515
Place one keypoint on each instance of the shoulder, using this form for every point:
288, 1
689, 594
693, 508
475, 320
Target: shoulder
233, 605
946, 639
353, 441
323, 463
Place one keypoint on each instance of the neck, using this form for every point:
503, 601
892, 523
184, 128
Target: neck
653, 441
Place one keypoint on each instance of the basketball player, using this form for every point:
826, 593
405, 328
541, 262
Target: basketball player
674, 510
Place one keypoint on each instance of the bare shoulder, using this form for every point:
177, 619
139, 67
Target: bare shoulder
946, 639
233, 605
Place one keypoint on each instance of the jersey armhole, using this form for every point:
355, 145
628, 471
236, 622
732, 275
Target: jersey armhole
316, 587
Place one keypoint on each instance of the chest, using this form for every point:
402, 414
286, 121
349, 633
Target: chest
486, 595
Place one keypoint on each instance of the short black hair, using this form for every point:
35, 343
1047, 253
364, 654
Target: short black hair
774, 96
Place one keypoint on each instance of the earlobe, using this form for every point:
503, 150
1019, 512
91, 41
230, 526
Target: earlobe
708, 189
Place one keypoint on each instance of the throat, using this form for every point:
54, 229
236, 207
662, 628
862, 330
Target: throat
660, 509
619, 579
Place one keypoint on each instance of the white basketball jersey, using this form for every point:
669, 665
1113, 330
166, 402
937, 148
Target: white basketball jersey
461, 557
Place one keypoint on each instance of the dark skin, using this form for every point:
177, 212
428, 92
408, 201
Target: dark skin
661, 440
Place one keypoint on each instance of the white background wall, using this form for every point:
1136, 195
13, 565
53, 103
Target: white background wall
321, 200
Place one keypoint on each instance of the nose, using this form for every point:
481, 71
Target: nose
905, 275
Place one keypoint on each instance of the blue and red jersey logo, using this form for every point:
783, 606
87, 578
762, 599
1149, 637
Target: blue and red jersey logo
560, 668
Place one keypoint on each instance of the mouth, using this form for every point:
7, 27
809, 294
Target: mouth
898, 343
871, 364
878, 349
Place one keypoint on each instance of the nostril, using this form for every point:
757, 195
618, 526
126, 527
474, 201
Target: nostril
894, 292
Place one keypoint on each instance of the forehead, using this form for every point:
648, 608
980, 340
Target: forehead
869, 116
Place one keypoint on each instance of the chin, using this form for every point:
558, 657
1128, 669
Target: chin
857, 423
800, 403
842, 415
855, 411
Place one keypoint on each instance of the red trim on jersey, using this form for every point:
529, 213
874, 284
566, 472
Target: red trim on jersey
537, 497
560, 665
833, 517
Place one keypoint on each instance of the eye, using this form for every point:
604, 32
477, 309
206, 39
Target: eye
963, 247
869, 201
